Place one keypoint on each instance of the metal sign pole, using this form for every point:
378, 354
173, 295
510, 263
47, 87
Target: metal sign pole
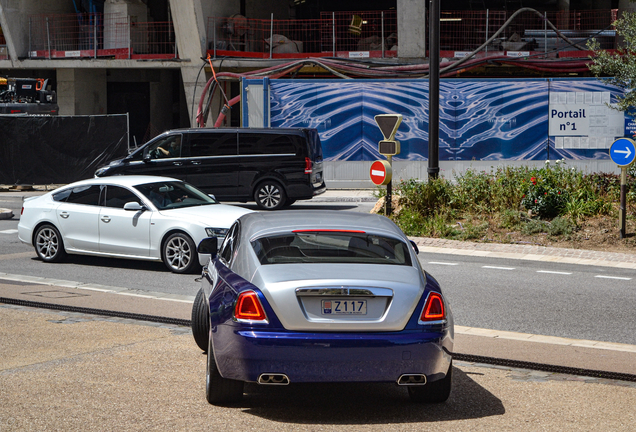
621, 211
623, 152
389, 190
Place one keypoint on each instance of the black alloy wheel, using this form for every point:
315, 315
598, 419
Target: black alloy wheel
270, 195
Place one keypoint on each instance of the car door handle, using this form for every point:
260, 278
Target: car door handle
64, 215
177, 163
105, 219
196, 162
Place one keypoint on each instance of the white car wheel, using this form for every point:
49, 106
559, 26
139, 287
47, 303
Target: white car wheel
48, 244
180, 254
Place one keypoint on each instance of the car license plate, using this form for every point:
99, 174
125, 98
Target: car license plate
344, 307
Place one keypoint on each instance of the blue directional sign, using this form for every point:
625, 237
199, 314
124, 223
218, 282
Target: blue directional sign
623, 151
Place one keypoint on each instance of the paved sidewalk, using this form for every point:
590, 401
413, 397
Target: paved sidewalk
78, 372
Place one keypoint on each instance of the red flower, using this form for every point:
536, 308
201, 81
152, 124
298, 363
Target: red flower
535, 201
524, 195
545, 193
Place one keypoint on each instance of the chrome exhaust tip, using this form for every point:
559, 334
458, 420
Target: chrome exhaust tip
273, 379
411, 379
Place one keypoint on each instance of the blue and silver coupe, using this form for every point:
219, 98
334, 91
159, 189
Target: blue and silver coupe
320, 296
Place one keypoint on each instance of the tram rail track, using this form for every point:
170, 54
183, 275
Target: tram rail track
470, 358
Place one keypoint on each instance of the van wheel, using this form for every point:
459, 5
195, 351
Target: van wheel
270, 195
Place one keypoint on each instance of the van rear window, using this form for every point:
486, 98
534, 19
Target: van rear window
314, 145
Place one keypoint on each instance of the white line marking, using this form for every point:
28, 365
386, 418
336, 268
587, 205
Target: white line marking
553, 272
101, 288
9, 231
442, 263
528, 337
613, 277
377, 173
498, 268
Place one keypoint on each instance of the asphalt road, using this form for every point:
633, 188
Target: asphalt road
573, 301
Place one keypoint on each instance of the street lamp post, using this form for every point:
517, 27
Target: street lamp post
433, 91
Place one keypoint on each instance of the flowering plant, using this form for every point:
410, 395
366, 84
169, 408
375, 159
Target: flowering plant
544, 199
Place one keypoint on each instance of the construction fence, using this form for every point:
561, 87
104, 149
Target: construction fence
376, 33
335, 34
99, 35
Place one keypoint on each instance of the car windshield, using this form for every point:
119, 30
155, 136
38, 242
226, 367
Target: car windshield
331, 247
171, 195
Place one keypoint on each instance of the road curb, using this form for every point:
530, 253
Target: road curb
6, 213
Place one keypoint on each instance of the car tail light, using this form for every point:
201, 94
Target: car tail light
248, 307
434, 309
22, 211
308, 166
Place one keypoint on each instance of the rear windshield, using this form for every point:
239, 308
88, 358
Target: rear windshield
331, 247
314, 145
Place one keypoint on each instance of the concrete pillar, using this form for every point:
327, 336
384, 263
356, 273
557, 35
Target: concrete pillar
190, 25
81, 91
161, 99
412, 25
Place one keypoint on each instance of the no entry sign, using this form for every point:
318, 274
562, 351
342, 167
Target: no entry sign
381, 172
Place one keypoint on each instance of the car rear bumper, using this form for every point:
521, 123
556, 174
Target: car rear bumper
325, 357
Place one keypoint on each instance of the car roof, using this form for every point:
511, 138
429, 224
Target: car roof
124, 180
260, 224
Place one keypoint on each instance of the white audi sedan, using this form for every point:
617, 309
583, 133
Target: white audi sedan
135, 217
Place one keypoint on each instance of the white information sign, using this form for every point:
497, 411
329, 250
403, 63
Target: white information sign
582, 120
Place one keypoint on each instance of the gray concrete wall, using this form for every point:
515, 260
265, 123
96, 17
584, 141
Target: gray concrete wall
355, 175
14, 19
81, 91
413, 28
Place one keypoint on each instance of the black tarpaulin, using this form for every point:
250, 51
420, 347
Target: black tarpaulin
58, 149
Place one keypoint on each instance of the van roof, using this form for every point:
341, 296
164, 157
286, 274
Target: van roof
244, 130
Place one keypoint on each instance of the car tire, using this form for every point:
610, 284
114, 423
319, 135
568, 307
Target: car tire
289, 202
434, 392
219, 390
270, 195
200, 321
48, 244
180, 254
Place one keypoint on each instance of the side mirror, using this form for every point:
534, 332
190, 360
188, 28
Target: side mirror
133, 206
209, 246
417, 250
146, 157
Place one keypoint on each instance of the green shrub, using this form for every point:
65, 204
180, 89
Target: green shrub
534, 226
472, 231
511, 219
551, 192
561, 226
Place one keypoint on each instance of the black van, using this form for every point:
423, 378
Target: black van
272, 166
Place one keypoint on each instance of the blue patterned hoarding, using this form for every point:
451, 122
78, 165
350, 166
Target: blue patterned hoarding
480, 119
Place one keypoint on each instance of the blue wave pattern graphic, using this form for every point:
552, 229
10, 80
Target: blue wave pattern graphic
479, 119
